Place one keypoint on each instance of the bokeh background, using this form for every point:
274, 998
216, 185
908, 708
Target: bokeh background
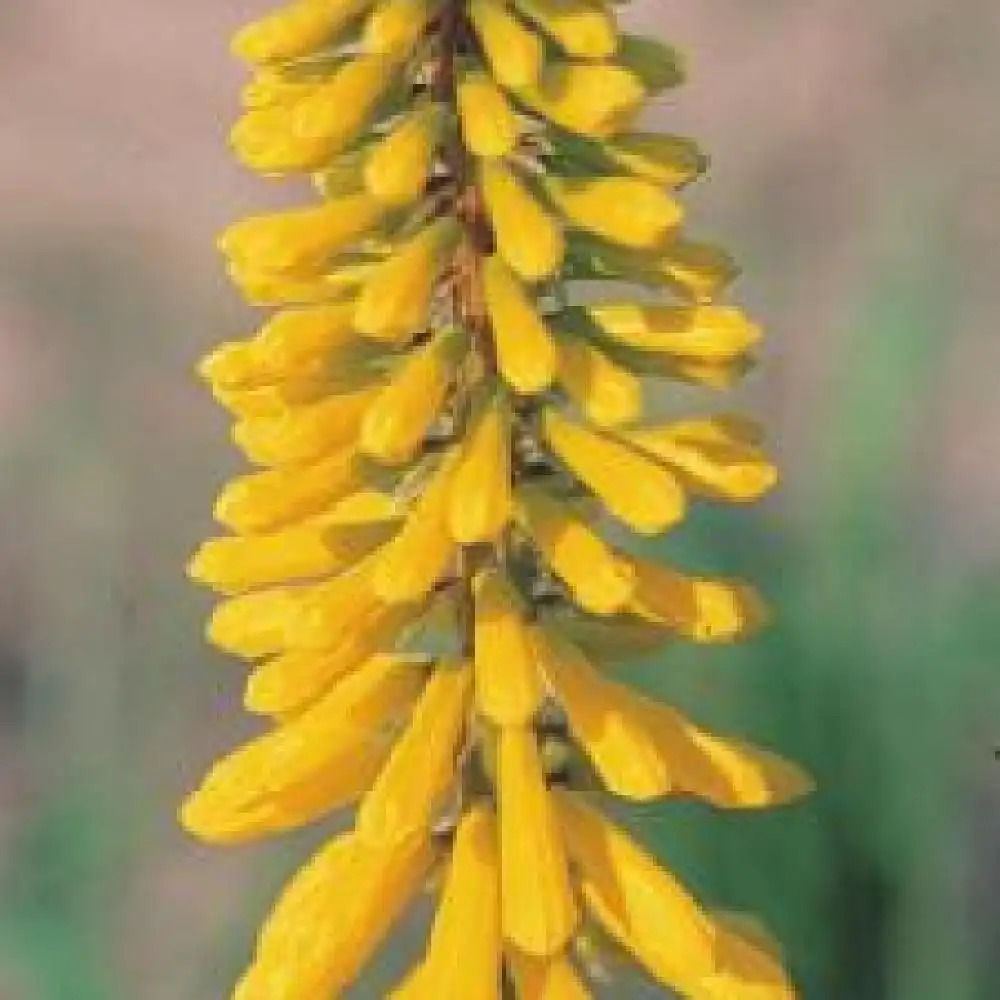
856, 156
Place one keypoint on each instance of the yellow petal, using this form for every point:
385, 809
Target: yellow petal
643, 749
537, 902
600, 582
284, 684
625, 210
489, 124
637, 902
397, 168
584, 28
395, 27
711, 455
479, 503
528, 238
508, 686
304, 434
547, 979
592, 98
234, 364
254, 625
526, 352
300, 241
646, 497
608, 394
701, 333
298, 338
309, 765
397, 423
353, 893
513, 51
464, 954
409, 566
266, 500
669, 160
421, 768
319, 124
703, 610
396, 298
270, 288
295, 30
237, 563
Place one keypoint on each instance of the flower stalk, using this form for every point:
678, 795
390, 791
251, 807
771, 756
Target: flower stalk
448, 413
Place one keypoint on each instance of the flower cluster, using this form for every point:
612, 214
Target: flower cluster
428, 566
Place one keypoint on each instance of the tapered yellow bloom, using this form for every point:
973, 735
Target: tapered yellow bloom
525, 349
508, 683
625, 210
528, 238
426, 572
537, 901
489, 124
515, 54
479, 500
647, 498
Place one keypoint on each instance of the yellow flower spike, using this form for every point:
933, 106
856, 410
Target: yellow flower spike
408, 567
396, 299
712, 457
526, 352
446, 419
295, 30
608, 394
508, 684
394, 27
253, 625
547, 979
479, 500
300, 241
464, 954
421, 768
304, 433
489, 124
645, 496
699, 333
397, 168
670, 160
702, 610
397, 422
625, 210
266, 500
595, 99
583, 28
302, 768
514, 52
528, 238
600, 582
355, 897
539, 911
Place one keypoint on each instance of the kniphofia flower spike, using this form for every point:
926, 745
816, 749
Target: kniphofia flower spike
424, 572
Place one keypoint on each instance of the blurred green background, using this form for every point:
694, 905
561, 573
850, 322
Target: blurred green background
856, 150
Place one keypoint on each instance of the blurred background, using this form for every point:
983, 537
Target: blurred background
856, 151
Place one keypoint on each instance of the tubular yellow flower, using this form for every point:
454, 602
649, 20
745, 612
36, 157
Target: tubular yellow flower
443, 417
528, 238
525, 350
489, 124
